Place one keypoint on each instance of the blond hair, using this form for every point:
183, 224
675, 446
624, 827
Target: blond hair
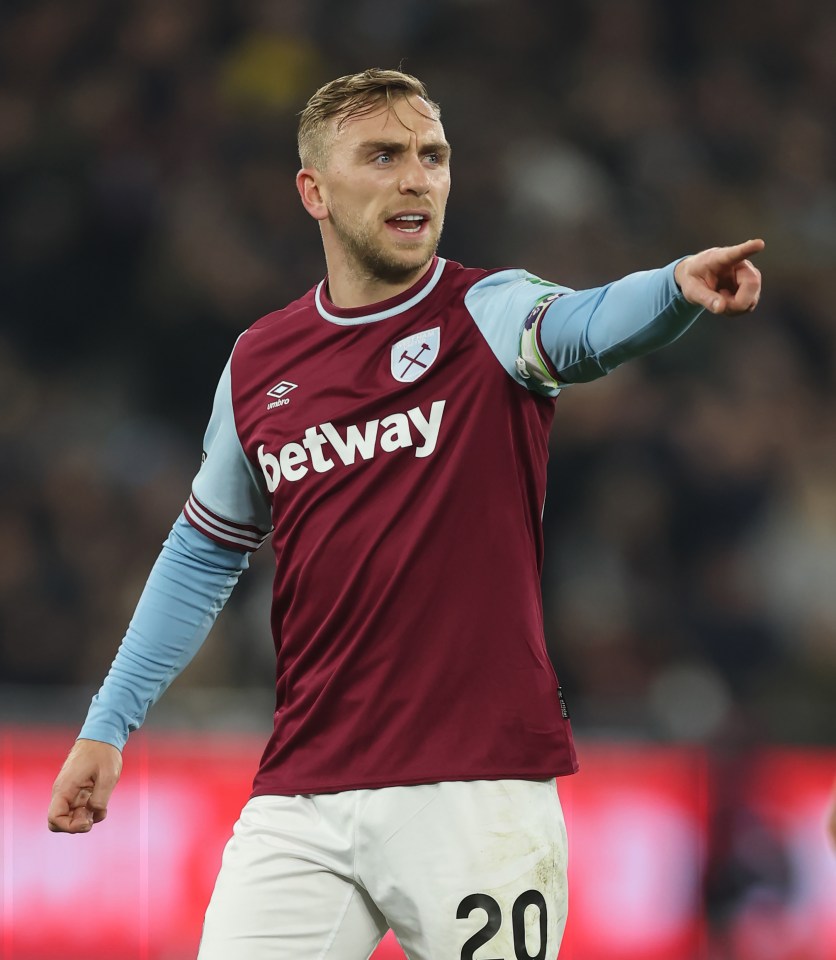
353, 95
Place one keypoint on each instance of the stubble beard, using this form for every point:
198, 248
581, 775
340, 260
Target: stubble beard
373, 260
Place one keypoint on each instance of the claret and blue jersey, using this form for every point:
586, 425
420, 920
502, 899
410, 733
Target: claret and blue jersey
395, 456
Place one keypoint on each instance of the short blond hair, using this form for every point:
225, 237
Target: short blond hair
350, 96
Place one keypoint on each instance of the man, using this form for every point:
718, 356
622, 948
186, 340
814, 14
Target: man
391, 428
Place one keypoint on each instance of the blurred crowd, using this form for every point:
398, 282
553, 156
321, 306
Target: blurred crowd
148, 215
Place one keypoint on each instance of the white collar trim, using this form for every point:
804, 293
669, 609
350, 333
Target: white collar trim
382, 314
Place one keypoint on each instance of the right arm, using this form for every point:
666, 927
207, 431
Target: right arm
186, 590
225, 519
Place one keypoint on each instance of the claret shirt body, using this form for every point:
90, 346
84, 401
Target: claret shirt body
402, 469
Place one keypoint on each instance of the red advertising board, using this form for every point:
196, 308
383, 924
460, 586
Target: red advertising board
638, 820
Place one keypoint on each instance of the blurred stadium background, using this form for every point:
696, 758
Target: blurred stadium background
147, 216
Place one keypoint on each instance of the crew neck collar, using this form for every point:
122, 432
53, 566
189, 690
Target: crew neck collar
383, 308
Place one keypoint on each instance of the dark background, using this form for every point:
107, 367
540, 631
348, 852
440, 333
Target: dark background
148, 215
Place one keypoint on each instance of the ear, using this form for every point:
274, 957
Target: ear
307, 183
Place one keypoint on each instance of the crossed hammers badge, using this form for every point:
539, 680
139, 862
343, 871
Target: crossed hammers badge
412, 356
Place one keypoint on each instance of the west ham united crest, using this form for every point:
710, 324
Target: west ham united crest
415, 354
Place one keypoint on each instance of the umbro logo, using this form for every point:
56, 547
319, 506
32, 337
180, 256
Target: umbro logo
280, 392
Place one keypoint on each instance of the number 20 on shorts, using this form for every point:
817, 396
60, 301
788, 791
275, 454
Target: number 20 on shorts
483, 901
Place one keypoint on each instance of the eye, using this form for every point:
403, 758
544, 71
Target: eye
383, 158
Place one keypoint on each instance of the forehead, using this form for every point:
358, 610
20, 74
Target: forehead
406, 117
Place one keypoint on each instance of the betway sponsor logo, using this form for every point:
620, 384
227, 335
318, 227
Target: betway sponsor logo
322, 446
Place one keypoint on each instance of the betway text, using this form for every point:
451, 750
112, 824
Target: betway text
324, 445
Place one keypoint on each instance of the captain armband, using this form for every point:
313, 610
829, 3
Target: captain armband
532, 363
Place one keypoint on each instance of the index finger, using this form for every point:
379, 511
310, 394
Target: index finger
59, 812
63, 817
729, 255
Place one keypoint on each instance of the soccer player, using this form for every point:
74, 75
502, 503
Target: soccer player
389, 433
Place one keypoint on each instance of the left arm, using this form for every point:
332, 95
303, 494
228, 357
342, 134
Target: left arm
583, 335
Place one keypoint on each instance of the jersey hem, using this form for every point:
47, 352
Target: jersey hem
293, 790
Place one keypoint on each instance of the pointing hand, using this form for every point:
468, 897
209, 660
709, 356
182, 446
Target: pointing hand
721, 279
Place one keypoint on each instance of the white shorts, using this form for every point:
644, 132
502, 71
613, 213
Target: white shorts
451, 867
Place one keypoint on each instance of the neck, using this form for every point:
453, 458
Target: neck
349, 285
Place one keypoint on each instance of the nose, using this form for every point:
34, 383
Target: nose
415, 178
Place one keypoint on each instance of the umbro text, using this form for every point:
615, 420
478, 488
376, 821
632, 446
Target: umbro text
322, 445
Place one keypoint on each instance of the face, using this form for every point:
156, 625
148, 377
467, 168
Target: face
384, 190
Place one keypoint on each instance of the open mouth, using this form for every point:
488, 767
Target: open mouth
409, 223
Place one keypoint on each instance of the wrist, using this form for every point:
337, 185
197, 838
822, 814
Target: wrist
679, 272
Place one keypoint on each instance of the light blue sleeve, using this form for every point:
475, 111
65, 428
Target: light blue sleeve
227, 485
186, 590
589, 333
500, 304
547, 336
